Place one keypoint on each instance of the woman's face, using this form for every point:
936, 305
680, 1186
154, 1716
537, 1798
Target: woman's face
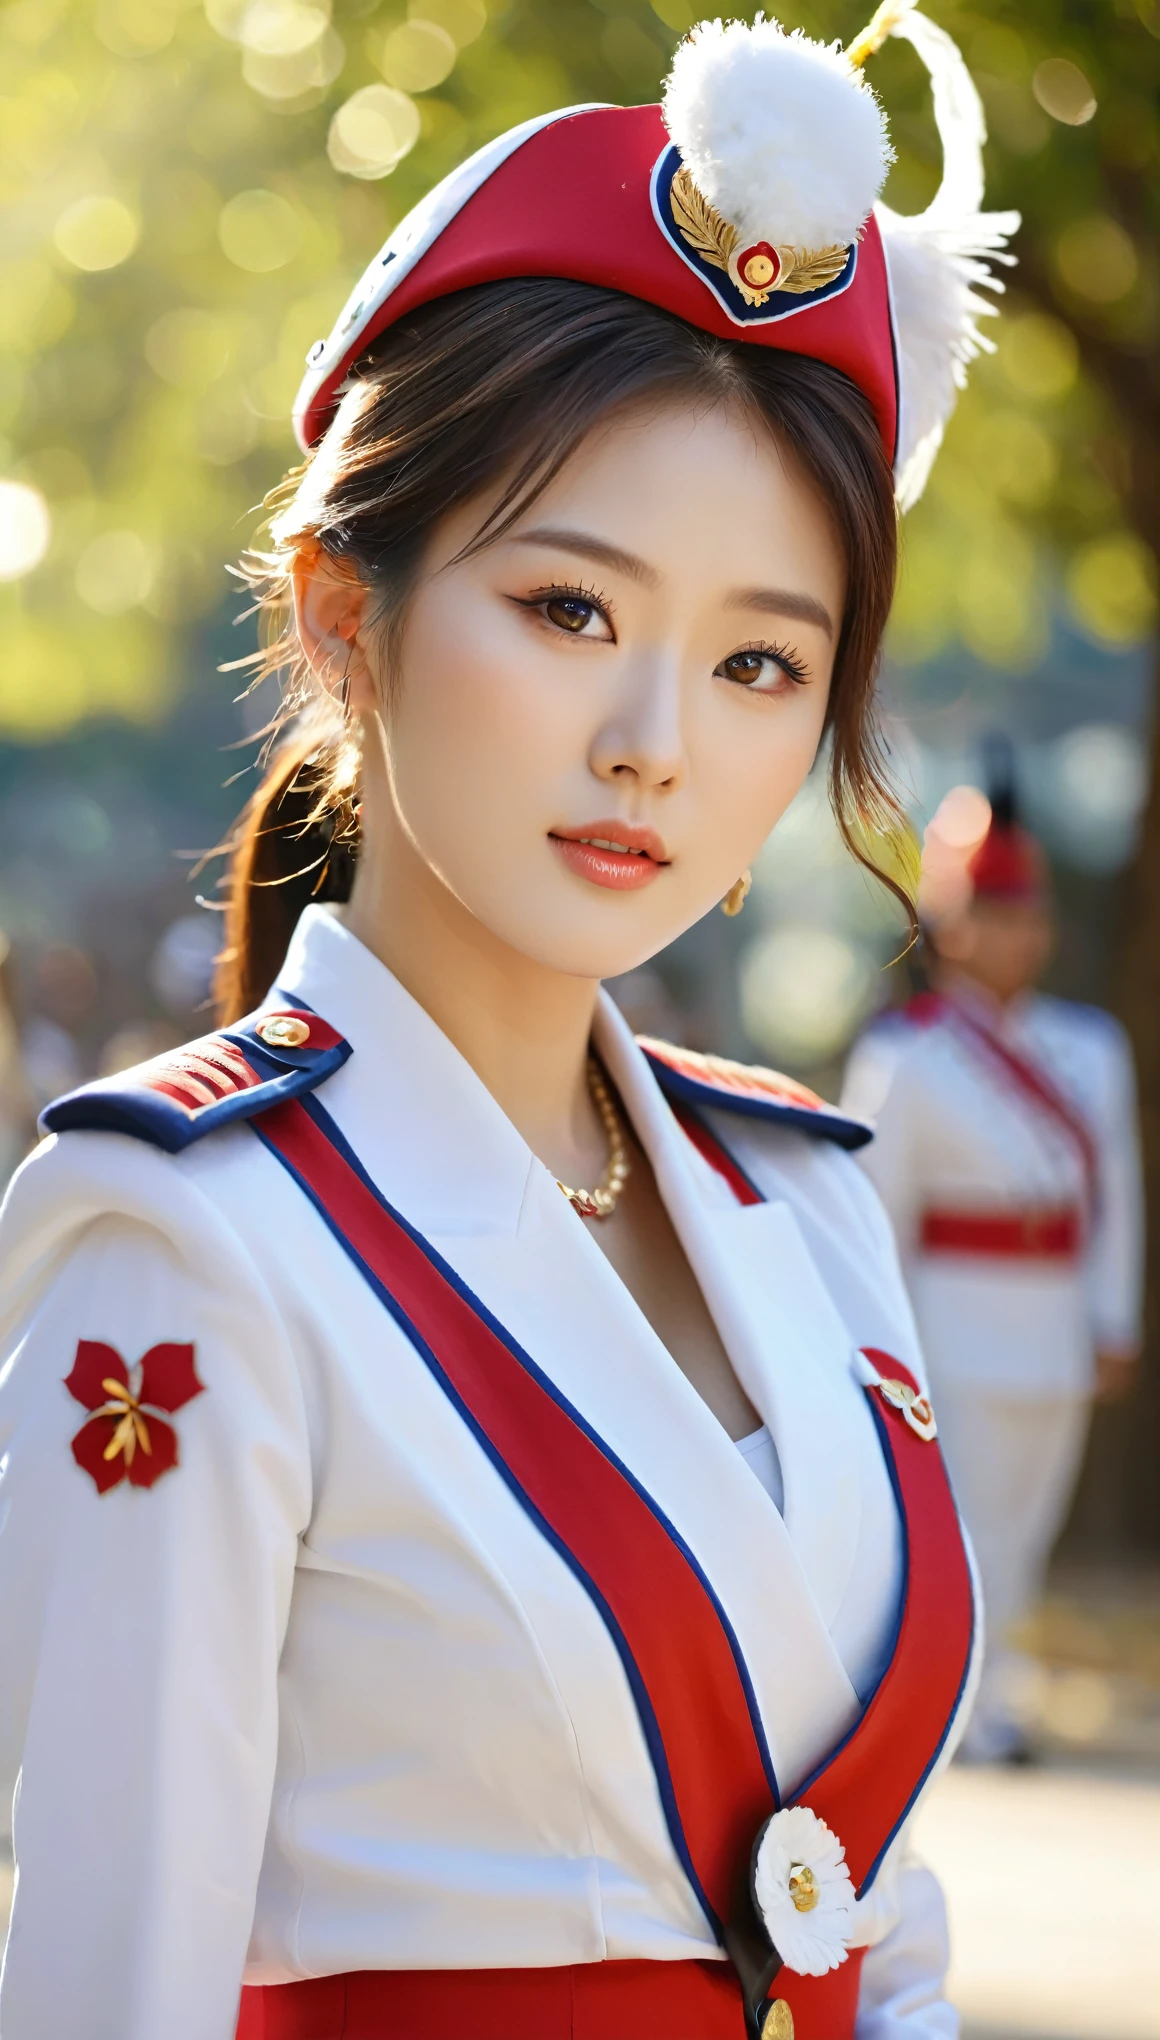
598, 719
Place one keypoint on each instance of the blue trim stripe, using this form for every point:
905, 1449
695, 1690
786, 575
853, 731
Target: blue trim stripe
880, 1424
649, 1724
879, 1416
822, 1121
882, 1428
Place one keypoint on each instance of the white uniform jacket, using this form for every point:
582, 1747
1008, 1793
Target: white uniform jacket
953, 1130
323, 1697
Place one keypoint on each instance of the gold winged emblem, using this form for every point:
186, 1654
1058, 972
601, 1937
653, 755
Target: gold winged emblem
758, 271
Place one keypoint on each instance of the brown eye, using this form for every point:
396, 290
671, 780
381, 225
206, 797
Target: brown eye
763, 669
569, 612
745, 667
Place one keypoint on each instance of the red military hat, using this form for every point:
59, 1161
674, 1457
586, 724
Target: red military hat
747, 203
1008, 865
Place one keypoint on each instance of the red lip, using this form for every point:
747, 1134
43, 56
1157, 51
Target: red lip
625, 869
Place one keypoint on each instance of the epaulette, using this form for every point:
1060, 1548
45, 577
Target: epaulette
177, 1098
692, 1079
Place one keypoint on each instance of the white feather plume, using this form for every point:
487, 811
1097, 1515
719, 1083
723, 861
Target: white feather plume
779, 133
937, 262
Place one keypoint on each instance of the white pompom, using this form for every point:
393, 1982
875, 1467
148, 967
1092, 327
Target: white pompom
779, 133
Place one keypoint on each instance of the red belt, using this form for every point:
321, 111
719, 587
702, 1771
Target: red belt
1043, 1235
591, 2001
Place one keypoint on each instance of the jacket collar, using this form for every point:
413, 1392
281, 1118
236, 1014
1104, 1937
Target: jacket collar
423, 1124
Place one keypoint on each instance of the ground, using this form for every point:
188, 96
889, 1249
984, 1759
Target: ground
1052, 1879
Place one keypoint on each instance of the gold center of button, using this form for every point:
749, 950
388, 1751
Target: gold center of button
803, 1887
283, 1030
778, 2022
758, 271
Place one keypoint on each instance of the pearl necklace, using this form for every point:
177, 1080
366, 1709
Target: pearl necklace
602, 1202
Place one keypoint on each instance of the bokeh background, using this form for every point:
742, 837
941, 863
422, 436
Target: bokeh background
187, 192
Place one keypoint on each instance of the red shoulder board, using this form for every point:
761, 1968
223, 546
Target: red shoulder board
175, 1099
712, 1080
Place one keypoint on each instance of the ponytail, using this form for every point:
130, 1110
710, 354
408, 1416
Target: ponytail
295, 842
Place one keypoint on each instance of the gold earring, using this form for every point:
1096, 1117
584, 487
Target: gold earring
737, 894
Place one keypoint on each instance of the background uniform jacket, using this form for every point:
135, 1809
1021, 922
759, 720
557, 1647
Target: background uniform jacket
952, 1130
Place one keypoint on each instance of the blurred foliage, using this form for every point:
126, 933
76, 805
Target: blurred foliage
189, 191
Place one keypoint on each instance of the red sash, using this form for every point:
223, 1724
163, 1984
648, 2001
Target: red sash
1034, 1083
1043, 1235
692, 1689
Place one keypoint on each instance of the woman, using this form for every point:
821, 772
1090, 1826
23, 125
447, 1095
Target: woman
404, 1631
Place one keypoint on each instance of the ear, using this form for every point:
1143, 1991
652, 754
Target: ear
329, 613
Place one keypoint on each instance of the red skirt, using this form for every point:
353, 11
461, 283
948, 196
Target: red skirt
590, 2001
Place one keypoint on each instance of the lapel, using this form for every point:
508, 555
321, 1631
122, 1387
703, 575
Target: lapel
788, 1345
442, 1152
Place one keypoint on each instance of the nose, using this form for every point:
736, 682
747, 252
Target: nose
641, 739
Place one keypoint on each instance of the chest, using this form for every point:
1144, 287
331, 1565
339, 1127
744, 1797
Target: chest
641, 1245
978, 1121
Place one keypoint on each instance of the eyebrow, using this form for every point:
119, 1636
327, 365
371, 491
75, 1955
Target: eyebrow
783, 602
591, 548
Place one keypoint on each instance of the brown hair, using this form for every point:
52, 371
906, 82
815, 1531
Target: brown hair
506, 379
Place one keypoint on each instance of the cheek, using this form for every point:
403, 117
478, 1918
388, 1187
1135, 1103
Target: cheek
752, 758
479, 732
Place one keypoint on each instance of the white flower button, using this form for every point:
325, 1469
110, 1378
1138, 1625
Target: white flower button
804, 1892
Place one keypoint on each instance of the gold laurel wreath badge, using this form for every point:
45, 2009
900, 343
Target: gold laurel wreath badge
716, 241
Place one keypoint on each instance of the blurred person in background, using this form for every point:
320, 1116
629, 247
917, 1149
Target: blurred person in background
1006, 1154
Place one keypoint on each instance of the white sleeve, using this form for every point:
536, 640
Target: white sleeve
878, 1086
141, 1626
1114, 1267
903, 1992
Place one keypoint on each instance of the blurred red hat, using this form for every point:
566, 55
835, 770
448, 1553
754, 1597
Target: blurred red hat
1009, 865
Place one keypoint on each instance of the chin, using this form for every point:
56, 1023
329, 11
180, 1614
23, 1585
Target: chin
601, 939
589, 955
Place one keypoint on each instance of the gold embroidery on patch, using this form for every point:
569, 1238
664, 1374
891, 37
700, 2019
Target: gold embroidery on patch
713, 238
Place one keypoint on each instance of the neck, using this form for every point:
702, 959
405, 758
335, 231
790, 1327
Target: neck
955, 977
523, 1027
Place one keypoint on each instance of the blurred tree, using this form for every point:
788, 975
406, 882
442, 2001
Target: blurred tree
189, 187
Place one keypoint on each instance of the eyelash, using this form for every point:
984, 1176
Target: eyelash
569, 591
791, 665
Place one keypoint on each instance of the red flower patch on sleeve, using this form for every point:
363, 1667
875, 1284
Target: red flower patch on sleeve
123, 1438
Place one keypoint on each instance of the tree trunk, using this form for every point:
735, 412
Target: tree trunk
1128, 1440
